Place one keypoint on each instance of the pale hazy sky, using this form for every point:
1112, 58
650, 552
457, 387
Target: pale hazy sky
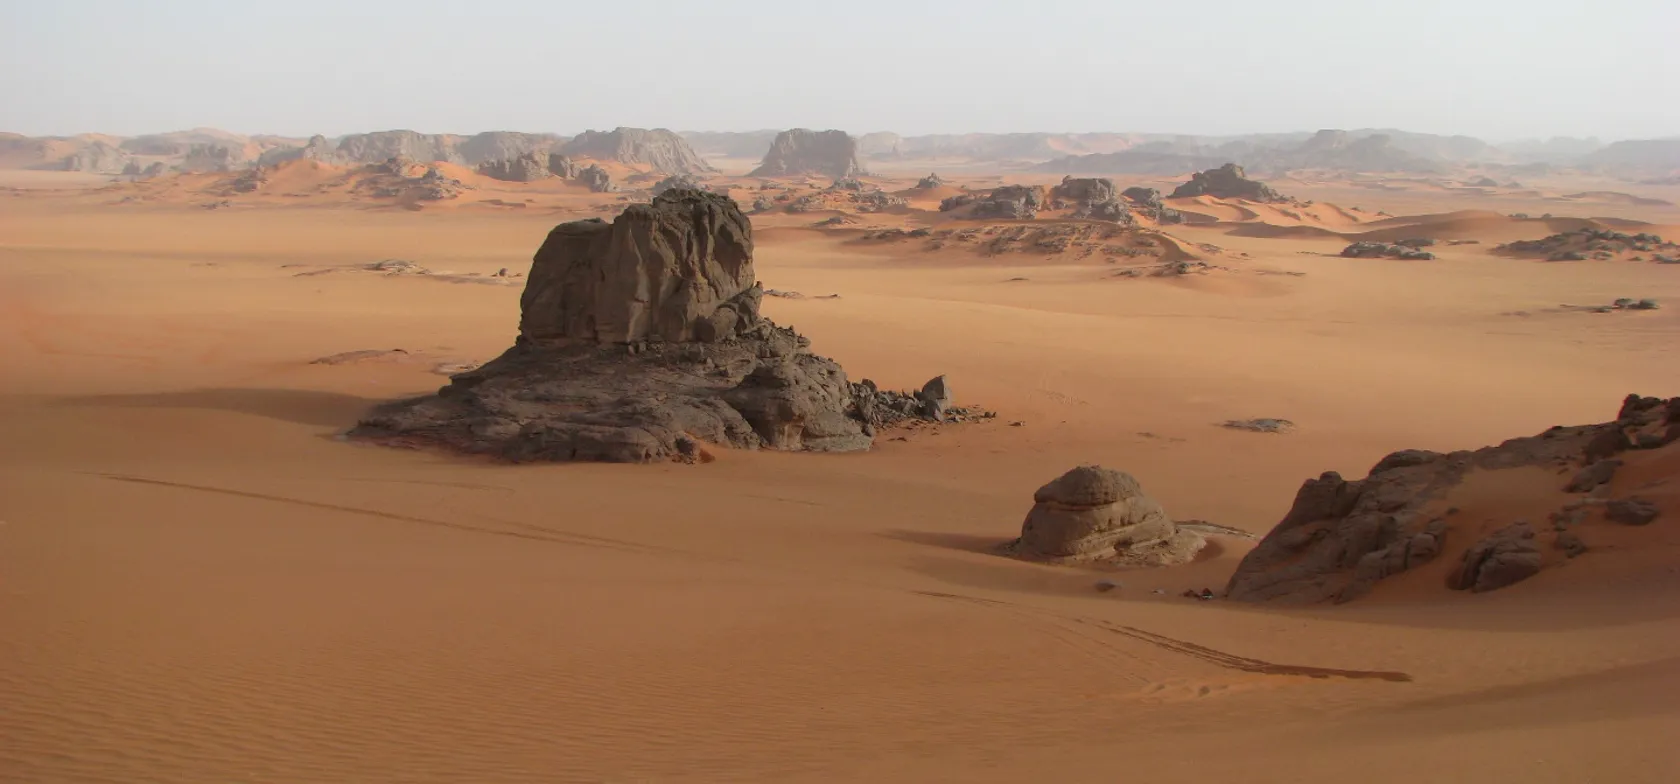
1499, 69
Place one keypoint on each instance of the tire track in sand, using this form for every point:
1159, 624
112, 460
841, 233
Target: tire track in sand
1212, 656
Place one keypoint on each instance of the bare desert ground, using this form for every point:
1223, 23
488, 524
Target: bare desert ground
200, 581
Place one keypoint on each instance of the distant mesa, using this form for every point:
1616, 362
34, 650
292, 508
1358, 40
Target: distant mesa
1227, 182
641, 340
1096, 514
802, 152
658, 149
1341, 538
98, 158
384, 145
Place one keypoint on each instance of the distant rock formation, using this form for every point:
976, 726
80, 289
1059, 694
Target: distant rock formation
316, 149
503, 145
659, 149
1147, 202
804, 152
1342, 537
596, 179
384, 145
931, 181
1591, 243
527, 167
1093, 513
212, 158
676, 181
881, 144
1383, 250
395, 179
1227, 182
1009, 202
640, 340
96, 158
1094, 198
563, 167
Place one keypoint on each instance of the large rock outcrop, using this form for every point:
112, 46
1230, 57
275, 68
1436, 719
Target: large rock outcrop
641, 340
384, 145
658, 149
1009, 202
1341, 537
1093, 513
1227, 182
804, 152
528, 167
1095, 198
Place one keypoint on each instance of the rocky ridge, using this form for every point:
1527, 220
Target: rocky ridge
1341, 537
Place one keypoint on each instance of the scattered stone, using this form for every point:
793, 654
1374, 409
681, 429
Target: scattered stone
1093, 513
1383, 250
1631, 511
1592, 476
1262, 425
1570, 543
1506, 557
1104, 586
1576, 245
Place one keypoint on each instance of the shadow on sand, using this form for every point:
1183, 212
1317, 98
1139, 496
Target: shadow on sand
299, 406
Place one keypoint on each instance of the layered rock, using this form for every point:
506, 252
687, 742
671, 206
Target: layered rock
1341, 537
1227, 182
658, 149
803, 152
641, 340
1093, 513
527, 167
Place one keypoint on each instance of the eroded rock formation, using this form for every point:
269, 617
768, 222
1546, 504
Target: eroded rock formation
1093, 513
1227, 182
1341, 537
658, 149
528, 167
806, 152
641, 340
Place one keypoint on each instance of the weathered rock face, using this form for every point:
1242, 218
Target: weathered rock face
383, 145
563, 167
1508, 556
529, 167
1010, 202
98, 157
1084, 190
491, 146
654, 273
1097, 514
641, 340
805, 152
1341, 537
1227, 182
659, 149
596, 179
317, 149
1144, 197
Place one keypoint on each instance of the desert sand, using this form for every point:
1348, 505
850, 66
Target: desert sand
201, 581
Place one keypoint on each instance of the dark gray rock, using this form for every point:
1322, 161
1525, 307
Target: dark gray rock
1227, 182
1508, 556
1383, 250
596, 179
1631, 511
931, 181
641, 340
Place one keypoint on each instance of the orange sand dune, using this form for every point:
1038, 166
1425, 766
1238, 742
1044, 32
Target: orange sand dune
200, 582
